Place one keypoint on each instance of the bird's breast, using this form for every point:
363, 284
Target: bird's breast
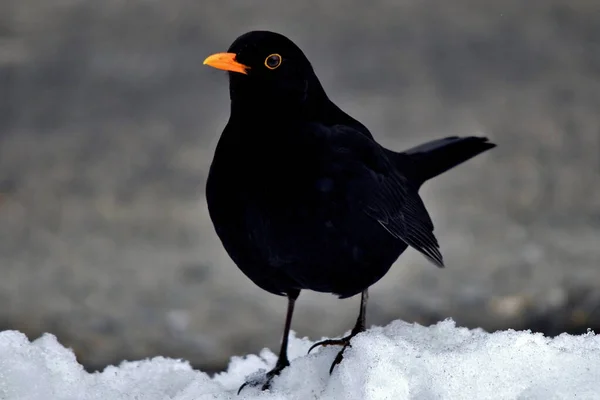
273, 186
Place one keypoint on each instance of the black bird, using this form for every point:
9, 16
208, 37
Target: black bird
300, 193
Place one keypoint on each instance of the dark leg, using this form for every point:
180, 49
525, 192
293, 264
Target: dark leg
282, 360
345, 341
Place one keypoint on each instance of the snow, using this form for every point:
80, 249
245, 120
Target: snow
399, 361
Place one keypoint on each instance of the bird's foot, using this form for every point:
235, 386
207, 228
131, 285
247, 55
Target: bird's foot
264, 380
345, 342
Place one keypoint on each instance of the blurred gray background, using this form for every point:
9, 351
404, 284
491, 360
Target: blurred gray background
108, 122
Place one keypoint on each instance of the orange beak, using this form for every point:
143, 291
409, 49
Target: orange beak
226, 62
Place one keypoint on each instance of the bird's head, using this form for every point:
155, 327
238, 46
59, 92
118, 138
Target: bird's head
267, 68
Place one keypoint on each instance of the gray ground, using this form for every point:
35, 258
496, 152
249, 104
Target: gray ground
108, 121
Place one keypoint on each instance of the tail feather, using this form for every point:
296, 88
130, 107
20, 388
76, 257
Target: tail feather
433, 158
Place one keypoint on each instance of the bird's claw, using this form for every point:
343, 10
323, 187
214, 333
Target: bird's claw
266, 383
265, 386
338, 358
241, 387
345, 342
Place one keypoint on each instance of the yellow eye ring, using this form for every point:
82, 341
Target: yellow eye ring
273, 61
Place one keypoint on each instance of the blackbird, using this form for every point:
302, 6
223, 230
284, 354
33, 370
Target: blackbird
300, 193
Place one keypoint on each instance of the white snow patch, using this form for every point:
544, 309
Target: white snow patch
399, 361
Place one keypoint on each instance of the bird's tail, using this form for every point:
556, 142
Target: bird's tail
433, 158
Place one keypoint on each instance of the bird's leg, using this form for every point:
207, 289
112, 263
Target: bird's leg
282, 360
345, 341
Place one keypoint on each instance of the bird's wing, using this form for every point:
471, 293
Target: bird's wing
399, 209
384, 193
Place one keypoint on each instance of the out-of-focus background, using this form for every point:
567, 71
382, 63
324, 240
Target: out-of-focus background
108, 122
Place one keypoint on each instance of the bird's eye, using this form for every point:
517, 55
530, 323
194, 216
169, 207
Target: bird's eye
273, 61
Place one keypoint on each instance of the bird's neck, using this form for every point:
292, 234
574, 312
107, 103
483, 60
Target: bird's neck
264, 112
266, 120
316, 109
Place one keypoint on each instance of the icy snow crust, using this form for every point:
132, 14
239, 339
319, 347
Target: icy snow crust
399, 361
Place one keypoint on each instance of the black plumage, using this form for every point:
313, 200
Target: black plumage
300, 193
